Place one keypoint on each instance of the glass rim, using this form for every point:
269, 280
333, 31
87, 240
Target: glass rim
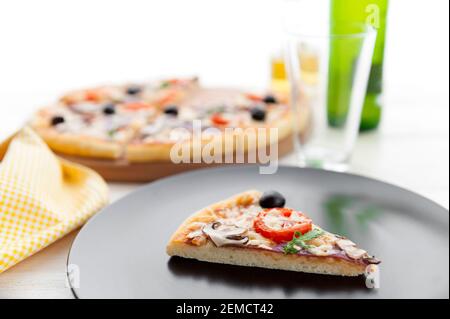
364, 30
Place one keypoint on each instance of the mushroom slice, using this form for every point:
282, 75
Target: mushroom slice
350, 249
345, 243
323, 250
223, 235
195, 233
372, 260
355, 253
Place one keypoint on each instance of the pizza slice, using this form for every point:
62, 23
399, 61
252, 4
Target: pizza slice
256, 230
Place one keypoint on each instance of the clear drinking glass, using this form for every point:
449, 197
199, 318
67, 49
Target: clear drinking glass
327, 94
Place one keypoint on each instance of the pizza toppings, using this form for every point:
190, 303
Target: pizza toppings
277, 229
109, 109
225, 235
350, 249
321, 243
84, 107
254, 97
171, 110
57, 120
270, 99
271, 199
371, 260
299, 241
281, 224
237, 232
92, 95
133, 90
219, 120
195, 233
136, 106
258, 113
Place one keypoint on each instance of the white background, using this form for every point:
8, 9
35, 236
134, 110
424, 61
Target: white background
48, 46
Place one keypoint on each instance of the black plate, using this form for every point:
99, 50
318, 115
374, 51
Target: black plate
120, 253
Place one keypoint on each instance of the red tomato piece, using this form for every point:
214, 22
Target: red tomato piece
218, 119
288, 223
135, 106
254, 97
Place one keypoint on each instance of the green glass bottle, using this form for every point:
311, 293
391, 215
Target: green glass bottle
345, 12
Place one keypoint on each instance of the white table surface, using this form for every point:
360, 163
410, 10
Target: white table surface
411, 148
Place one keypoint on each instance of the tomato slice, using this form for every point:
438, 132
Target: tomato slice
254, 97
92, 96
174, 81
135, 106
219, 119
280, 224
168, 98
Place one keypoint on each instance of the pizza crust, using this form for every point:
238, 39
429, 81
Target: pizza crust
142, 153
266, 259
80, 145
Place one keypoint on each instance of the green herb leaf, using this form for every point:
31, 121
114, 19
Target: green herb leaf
111, 133
289, 249
299, 240
164, 85
316, 232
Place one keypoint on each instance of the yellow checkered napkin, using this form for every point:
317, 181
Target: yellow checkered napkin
42, 198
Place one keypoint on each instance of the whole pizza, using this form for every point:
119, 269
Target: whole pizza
143, 122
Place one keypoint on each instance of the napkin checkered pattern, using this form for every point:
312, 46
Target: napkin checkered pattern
42, 197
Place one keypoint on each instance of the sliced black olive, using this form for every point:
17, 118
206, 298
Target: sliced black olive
270, 99
57, 120
171, 109
272, 199
133, 90
258, 113
109, 109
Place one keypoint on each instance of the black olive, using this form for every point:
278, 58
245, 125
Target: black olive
57, 120
171, 110
271, 199
270, 99
133, 90
258, 113
109, 109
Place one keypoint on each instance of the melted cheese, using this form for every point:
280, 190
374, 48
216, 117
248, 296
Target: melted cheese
277, 222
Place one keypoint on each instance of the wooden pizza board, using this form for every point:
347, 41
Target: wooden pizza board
122, 171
